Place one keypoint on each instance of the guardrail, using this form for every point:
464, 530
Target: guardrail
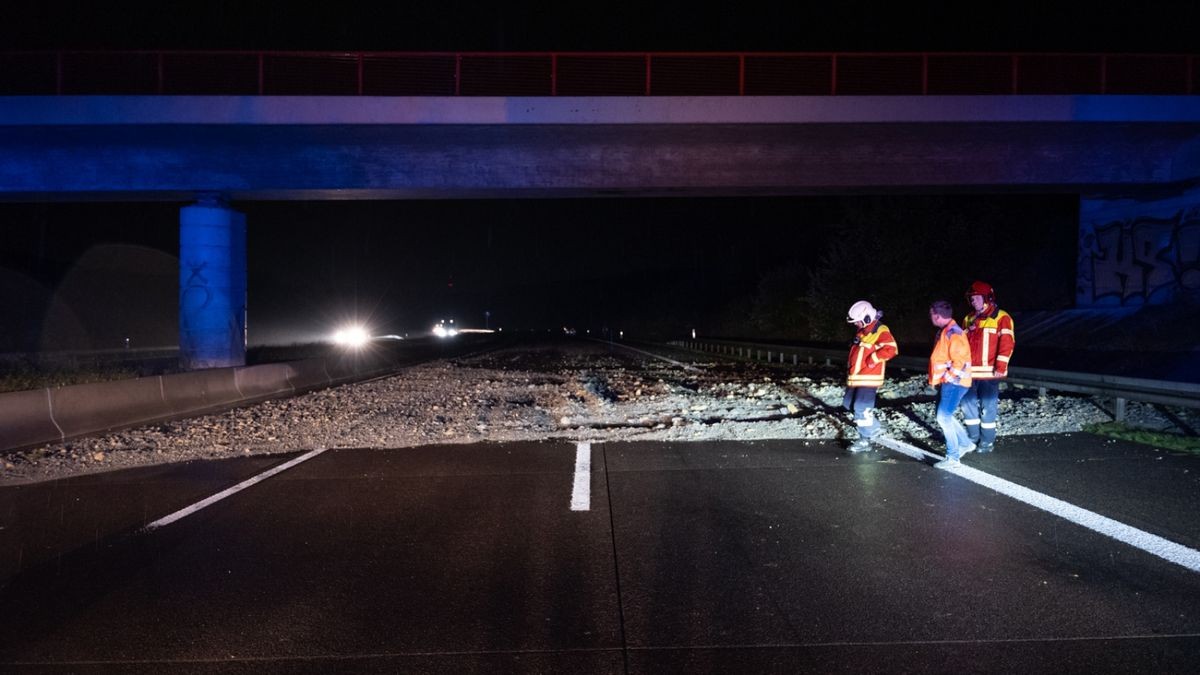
274, 73
1118, 388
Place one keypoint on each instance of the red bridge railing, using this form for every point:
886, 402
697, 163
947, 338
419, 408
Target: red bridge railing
591, 73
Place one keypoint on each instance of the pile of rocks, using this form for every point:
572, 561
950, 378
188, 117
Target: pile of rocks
566, 391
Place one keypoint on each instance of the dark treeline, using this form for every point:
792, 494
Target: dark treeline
901, 252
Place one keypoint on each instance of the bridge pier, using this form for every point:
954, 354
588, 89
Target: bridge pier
212, 285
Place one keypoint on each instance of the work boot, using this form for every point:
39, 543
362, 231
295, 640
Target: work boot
861, 445
986, 447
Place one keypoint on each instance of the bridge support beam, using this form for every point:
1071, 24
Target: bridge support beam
1138, 251
212, 285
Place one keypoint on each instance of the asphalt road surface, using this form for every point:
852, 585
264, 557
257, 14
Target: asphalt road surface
721, 557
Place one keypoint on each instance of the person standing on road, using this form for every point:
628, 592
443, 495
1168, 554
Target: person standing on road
950, 371
872, 347
990, 334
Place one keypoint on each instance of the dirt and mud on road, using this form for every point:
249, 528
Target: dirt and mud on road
555, 390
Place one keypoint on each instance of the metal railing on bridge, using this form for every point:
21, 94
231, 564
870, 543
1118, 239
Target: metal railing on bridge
273, 73
1119, 389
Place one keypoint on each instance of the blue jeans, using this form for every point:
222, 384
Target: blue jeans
861, 401
980, 408
956, 436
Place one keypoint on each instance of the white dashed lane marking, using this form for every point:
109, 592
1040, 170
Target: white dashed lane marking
581, 494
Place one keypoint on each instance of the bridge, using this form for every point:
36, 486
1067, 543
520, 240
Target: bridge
1121, 131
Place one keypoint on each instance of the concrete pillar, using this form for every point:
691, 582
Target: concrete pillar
212, 285
1135, 252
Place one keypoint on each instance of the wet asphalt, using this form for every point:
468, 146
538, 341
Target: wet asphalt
715, 557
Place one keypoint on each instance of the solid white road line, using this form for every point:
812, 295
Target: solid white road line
236, 488
581, 494
1140, 539
905, 448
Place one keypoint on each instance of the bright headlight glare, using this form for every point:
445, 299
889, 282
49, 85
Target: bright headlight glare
353, 336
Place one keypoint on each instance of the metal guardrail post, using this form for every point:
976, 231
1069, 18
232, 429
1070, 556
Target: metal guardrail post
1119, 411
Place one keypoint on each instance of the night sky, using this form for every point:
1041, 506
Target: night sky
89, 275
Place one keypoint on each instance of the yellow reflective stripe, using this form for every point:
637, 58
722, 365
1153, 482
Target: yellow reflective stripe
865, 379
1002, 358
869, 338
1007, 331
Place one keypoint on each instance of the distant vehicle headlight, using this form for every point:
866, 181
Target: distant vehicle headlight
352, 336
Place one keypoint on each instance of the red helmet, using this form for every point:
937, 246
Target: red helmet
980, 288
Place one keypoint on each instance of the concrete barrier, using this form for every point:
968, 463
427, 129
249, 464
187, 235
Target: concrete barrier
30, 418
269, 379
201, 389
308, 374
349, 365
25, 419
88, 408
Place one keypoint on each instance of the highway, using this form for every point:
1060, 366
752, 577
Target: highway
776, 556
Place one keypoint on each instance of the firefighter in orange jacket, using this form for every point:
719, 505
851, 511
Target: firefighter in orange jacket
991, 336
872, 347
950, 372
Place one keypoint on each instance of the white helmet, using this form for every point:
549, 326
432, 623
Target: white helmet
861, 311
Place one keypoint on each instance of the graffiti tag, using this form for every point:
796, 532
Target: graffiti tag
1141, 260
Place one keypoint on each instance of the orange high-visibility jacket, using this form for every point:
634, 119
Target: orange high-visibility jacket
950, 362
992, 339
873, 346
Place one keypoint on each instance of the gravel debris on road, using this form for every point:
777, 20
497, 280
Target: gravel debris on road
571, 390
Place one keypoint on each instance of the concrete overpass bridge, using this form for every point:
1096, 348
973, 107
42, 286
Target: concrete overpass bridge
1134, 159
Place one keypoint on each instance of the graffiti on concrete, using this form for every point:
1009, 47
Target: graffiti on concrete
195, 294
1141, 260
